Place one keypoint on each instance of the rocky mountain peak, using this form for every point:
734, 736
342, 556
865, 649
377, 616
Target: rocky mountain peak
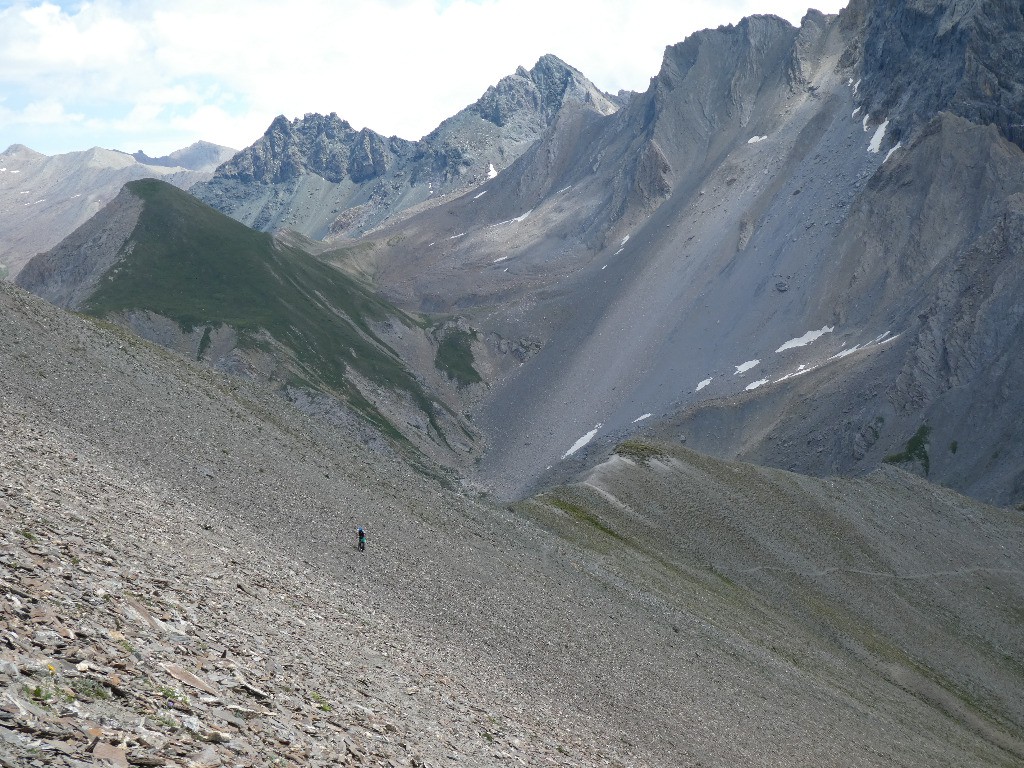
709, 84
332, 181
20, 150
727, 58
542, 90
325, 145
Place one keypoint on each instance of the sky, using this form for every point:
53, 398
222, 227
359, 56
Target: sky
158, 75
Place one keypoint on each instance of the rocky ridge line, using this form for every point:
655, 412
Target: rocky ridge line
319, 176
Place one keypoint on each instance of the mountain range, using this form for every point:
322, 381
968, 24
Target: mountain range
320, 177
660, 405
44, 198
770, 254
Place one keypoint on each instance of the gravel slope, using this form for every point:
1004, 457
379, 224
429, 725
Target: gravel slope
191, 494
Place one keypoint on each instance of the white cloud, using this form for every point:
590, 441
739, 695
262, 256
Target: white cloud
47, 112
399, 67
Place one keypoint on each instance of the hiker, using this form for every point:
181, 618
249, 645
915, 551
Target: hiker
362, 540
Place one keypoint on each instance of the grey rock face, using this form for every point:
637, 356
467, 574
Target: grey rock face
69, 273
750, 197
540, 93
324, 145
919, 57
320, 177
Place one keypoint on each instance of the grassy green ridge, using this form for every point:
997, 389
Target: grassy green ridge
199, 267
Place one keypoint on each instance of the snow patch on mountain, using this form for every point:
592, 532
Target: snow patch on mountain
806, 339
798, 372
876, 140
582, 441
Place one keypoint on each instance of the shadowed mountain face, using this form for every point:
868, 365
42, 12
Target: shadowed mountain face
919, 58
321, 177
767, 253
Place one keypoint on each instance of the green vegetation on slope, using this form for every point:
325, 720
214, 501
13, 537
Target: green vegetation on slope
455, 357
639, 451
915, 450
199, 267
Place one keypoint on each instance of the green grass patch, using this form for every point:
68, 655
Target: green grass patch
93, 689
916, 450
455, 357
173, 694
320, 702
639, 451
579, 513
39, 693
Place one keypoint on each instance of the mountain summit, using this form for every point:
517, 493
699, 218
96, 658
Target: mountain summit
322, 178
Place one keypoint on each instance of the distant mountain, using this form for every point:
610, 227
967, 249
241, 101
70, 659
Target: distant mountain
324, 179
201, 156
801, 246
45, 198
189, 278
